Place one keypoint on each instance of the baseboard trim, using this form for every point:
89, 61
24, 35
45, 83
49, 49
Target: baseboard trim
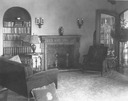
69, 70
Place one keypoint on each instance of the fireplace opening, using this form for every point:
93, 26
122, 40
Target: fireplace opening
60, 56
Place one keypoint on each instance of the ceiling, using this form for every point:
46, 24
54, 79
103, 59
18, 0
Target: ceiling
114, 1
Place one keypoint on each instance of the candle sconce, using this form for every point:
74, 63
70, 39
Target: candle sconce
80, 22
39, 22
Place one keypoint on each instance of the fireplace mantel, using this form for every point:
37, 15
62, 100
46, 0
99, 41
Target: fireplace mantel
60, 51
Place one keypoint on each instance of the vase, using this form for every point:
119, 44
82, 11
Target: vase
122, 36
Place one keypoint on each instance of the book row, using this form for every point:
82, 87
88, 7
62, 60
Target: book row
17, 30
9, 37
16, 24
16, 50
12, 43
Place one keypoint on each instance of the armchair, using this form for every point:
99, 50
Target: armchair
13, 77
93, 61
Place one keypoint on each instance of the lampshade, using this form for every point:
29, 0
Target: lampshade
33, 39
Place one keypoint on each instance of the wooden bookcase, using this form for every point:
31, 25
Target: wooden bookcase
16, 26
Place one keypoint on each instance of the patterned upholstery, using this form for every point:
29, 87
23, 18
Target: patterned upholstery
45, 93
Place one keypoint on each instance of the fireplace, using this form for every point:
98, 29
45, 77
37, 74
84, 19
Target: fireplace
60, 56
61, 52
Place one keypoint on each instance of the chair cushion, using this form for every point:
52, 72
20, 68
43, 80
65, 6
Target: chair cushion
45, 93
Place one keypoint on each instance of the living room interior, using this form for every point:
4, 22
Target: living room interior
58, 43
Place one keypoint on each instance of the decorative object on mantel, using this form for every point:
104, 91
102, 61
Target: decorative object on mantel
61, 30
32, 39
122, 36
80, 22
39, 21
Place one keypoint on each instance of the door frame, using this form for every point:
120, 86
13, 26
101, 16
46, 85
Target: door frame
117, 25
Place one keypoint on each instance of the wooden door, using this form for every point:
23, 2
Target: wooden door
107, 26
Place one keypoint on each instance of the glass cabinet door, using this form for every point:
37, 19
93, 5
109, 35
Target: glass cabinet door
105, 27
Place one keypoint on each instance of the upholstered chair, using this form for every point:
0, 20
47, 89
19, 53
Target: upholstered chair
93, 61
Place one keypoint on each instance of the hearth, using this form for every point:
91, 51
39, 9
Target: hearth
61, 52
60, 56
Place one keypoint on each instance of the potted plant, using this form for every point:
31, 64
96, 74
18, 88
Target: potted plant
123, 34
123, 30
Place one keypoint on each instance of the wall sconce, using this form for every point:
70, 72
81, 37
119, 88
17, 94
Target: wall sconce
39, 22
80, 22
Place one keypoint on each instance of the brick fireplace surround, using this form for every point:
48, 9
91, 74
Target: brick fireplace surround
60, 51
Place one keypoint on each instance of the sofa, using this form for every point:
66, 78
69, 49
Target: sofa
18, 78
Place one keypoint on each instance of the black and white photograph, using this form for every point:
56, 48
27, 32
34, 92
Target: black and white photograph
63, 50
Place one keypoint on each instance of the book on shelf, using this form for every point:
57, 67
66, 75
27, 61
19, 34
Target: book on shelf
8, 24
7, 37
18, 30
16, 50
16, 24
12, 43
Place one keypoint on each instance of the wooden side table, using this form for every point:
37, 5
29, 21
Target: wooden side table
110, 63
35, 60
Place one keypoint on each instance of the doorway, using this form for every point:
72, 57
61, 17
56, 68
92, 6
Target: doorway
123, 45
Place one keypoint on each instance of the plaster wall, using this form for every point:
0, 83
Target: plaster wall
121, 6
60, 13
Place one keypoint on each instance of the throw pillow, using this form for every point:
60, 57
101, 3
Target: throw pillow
16, 59
45, 93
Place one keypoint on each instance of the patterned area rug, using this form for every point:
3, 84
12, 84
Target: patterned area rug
75, 86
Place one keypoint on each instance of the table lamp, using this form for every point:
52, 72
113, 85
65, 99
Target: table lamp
32, 39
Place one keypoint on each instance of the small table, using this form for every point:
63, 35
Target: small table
35, 60
110, 63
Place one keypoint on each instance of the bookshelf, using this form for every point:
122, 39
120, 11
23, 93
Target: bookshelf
16, 25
